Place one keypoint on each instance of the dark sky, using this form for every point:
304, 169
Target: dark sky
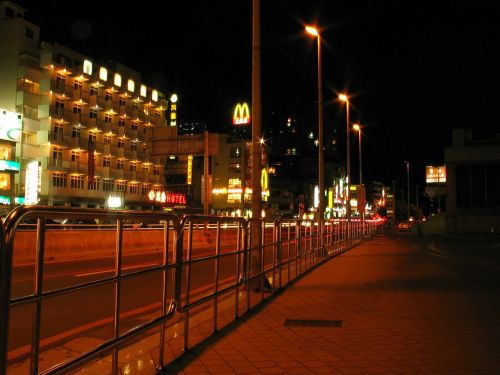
414, 70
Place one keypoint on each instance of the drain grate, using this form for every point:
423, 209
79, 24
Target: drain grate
313, 323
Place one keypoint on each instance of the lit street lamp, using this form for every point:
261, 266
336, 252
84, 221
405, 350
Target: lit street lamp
361, 202
321, 182
345, 99
357, 127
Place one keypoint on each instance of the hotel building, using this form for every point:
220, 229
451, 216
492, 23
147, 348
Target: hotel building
89, 126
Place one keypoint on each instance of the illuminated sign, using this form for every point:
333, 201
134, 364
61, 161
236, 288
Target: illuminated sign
173, 110
33, 182
435, 174
9, 165
241, 115
165, 197
190, 169
114, 201
10, 125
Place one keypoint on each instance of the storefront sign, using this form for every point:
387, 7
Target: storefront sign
10, 125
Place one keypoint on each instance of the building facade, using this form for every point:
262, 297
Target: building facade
473, 183
88, 125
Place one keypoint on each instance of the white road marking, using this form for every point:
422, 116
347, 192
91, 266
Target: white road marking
111, 270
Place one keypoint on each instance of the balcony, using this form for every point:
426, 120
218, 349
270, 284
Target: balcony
57, 164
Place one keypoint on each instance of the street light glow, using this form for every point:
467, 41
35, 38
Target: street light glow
312, 30
356, 127
343, 97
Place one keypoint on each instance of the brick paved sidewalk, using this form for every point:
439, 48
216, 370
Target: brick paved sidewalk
393, 309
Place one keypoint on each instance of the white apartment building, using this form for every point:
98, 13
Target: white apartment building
89, 126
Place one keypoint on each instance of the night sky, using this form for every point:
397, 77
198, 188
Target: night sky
414, 70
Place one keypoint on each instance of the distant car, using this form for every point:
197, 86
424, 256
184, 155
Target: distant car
404, 226
79, 223
30, 223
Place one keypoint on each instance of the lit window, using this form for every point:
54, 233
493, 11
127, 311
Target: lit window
87, 67
59, 179
118, 80
155, 95
93, 185
77, 181
121, 186
131, 85
103, 74
143, 90
134, 188
108, 185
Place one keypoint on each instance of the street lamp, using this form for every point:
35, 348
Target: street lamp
321, 182
408, 182
345, 99
357, 128
361, 199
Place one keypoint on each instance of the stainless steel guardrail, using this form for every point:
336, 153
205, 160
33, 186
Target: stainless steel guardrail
204, 272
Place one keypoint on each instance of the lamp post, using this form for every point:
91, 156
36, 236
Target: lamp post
345, 99
321, 182
361, 200
357, 127
408, 190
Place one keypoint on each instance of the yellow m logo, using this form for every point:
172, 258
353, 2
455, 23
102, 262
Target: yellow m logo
241, 114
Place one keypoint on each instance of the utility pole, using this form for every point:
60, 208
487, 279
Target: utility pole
206, 172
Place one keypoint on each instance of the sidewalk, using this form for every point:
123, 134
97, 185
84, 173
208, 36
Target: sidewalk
384, 307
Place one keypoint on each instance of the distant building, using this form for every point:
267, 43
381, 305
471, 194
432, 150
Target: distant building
191, 127
473, 183
232, 177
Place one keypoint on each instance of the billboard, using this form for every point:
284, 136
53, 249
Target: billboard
435, 174
10, 125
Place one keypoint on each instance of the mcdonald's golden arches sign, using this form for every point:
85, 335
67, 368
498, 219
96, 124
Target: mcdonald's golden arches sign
241, 115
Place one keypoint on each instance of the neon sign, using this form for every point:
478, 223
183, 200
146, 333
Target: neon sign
165, 197
241, 115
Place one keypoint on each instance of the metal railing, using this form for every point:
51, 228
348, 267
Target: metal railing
212, 270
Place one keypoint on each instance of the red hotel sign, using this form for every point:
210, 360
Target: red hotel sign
165, 197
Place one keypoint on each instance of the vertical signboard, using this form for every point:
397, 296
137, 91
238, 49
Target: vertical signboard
190, 169
91, 162
33, 183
